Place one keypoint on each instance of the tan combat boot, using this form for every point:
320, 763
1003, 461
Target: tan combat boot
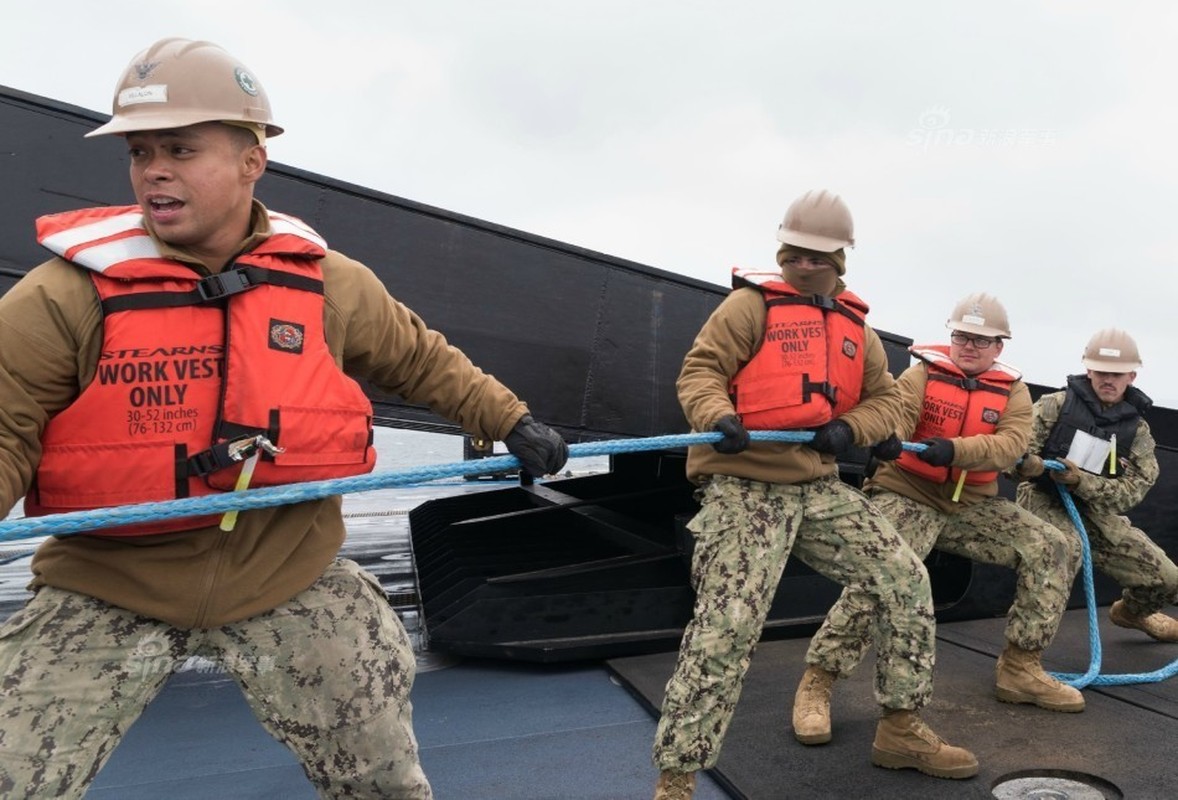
1021, 679
812, 706
904, 741
1160, 626
674, 785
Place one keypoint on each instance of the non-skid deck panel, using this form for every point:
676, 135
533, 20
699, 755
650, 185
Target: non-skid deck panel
1125, 736
501, 731
1123, 652
199, 739
487, 731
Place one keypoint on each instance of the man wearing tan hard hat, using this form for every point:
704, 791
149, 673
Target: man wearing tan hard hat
973, 414
163, 349
790, 348
1095, 427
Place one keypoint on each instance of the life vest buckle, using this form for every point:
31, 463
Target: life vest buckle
824, 388
241, 449
223, 284
226, 454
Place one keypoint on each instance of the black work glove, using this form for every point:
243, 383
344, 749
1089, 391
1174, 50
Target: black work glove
736, 438
1029, 467
937, 451
889, 449
834, 437
539, 448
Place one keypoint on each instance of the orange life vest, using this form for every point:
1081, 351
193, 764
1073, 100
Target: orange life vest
191, 368
956, 404
808, 368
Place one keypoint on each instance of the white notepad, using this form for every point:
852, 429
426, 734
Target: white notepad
1088, 452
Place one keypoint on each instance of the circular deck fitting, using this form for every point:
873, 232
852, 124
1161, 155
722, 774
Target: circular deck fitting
1054, 784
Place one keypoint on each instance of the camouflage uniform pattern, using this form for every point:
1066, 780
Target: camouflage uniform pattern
328, 674
744, 534
991, 531
1147, 575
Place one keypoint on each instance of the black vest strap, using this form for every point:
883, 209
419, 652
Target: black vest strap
818, 301
208, 461
223, 454
825, 388
968, 384
212, 289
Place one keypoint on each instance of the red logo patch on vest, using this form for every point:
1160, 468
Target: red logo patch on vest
849, 348
990, 416
286, 336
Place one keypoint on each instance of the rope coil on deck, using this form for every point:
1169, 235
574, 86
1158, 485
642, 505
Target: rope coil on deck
99, 519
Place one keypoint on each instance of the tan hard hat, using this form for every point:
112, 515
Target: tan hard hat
1111, 350
981, 314
818, 220
178, 82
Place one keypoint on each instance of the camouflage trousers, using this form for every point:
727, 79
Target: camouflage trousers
993, 531
1148, 578
744, 534
328, 674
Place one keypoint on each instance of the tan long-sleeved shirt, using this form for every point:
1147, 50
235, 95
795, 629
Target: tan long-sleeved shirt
986, 452
50, 337
725, 343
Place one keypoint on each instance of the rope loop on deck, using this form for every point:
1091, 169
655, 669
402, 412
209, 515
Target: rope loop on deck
1092, 676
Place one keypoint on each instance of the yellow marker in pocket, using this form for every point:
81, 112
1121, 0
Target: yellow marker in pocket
960, 483
229, 520
1112, 455
246, 450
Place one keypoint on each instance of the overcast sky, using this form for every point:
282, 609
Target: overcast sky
1025, 149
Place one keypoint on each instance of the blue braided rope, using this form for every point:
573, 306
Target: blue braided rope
1092, 676
97, 519
1071, 679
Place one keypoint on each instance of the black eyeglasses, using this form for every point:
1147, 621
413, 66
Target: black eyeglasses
980, 342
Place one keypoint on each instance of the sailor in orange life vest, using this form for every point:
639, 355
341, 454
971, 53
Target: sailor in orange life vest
973, 414
790, 349
163, 347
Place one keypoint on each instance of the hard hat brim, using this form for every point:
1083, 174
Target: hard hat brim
164, 120
980, 330
810, 241
1096, 365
